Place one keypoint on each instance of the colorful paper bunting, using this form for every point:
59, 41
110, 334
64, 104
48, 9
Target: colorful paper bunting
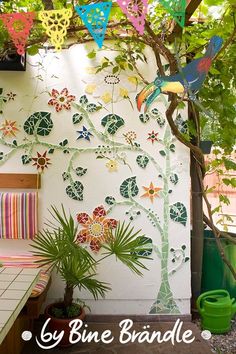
18, 26
136, 11
176, 8
55, 22
95, 18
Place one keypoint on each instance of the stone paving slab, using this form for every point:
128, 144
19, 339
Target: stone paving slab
199, 345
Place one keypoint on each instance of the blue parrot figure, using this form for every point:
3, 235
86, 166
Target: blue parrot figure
190, 78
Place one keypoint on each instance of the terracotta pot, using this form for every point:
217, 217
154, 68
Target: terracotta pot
61, 324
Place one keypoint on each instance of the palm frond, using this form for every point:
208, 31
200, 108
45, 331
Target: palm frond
125, 245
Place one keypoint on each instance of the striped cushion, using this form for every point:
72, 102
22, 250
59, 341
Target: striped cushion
27, 260
18, 215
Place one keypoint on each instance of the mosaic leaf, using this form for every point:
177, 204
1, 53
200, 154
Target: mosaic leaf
178, 213
91, 107
1, 155
112, 122
80, 171
162, 153
39, 122
75, 190
51, 151
64, 142
65, 176
129, 188
25, 159
174, 178
145, 246
77, 118
110, 200
83, 100
144, 117
172, 147
142, 161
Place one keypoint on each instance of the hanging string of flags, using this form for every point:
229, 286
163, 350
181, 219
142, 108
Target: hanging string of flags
94, 16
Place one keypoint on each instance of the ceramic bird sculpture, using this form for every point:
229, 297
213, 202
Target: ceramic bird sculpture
190, 78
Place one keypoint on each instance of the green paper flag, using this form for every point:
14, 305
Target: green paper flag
176, 9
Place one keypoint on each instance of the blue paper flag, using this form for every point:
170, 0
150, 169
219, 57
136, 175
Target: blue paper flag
95, 18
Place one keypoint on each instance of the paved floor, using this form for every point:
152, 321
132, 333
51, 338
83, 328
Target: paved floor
198, 346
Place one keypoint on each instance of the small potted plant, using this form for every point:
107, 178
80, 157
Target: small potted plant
57, 247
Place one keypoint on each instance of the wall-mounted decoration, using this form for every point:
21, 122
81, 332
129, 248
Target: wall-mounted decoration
95, 18
117, 142
18, 26
55, 23
151, 192
152, 136
188, 80
9, 128
61, 100
136, 11
41, 161
84, 134
96, 228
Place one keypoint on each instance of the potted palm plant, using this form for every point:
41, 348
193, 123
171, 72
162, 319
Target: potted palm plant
58, 248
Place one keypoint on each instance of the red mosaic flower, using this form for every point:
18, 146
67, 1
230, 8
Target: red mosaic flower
61, 100
41, 161
152, 136
96, 229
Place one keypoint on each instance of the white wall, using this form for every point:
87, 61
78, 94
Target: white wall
130, 294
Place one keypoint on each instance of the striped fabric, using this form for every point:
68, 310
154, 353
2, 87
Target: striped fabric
18, 215
27, 260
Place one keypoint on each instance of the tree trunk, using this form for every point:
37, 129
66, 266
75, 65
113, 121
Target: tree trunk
68, 296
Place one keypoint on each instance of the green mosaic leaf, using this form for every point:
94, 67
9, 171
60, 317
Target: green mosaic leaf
110, 200
129, 188
112, 122
1, 155
178, 213
25, 159
75, 190
83, 100
144, 117
142, 160
162, 153
80, 171
65, 176
172, 147
14, 142
91, 107
39, 123
174, 178
51, 151
63, 143
145, 245
77, 118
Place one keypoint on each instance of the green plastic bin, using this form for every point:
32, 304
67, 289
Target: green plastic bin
215, 273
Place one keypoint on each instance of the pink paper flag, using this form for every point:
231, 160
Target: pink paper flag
136, 11
18, 26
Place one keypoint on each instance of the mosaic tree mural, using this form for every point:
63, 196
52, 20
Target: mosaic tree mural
36, 149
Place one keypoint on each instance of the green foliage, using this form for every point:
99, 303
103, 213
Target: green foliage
57, 247
39, 123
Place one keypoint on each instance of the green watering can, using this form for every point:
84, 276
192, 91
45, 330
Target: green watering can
216, 310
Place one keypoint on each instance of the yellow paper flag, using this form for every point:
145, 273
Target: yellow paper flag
56, 22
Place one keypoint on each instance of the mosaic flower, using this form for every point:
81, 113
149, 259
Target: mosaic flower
151, 192
152, 136
84, 134
130, 137
108, 86
9, 128
61, 100
96, 229
112, 165
41, 161
11, 96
